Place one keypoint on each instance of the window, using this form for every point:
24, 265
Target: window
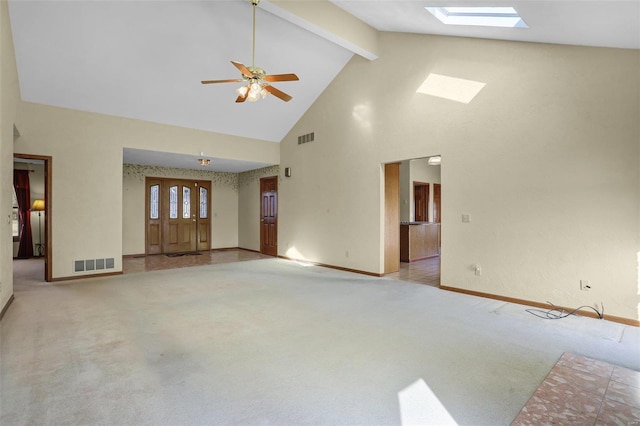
203, 203
173, 202
186, 202
154, 203
479, 16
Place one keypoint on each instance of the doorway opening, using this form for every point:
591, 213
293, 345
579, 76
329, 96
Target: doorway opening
36, 203
419, 209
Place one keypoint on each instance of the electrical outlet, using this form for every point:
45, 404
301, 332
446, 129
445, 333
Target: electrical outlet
478, 270
585, 285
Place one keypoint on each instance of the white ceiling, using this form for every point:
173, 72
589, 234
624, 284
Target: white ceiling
145, 59
602, 23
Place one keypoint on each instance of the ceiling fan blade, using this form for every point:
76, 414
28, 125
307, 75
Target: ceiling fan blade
241, 98
278, 93
244, 70
235, 80
280, 77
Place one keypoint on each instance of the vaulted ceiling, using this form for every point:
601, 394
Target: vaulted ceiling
145, 59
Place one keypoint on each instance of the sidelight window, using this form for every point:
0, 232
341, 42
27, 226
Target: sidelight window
154, 202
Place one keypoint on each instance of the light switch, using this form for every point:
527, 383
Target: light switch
466, 218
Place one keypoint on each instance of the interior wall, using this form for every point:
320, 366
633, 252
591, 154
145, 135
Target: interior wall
224, 204
9, 98
553, 126
86, 150
249, 206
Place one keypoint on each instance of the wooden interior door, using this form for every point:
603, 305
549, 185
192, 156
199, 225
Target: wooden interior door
421, 201
391, 217
437, 204
269, 216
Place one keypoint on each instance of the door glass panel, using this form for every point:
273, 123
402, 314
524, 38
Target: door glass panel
173, 202
186, 202
203, 203
154, 203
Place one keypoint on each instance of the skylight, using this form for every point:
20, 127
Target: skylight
479, 16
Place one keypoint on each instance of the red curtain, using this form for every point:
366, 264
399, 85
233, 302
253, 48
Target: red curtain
21, 184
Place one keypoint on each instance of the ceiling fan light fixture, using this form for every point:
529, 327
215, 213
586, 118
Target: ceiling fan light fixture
254, 79
242, 90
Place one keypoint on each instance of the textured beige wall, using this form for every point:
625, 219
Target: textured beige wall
544, 159
9, 98
224, 204
86, 150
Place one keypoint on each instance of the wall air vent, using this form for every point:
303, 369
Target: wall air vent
93, 264
309, 137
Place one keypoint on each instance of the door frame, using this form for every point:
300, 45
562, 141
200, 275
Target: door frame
48, 202
391, 217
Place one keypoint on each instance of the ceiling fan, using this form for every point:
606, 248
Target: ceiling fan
256, 79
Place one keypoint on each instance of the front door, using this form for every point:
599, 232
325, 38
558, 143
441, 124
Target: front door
177, 216
269, 216
180, 227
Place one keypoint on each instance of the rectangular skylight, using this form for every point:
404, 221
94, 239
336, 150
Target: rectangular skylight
479, 16
454, 89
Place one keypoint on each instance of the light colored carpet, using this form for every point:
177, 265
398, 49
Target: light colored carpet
273, 342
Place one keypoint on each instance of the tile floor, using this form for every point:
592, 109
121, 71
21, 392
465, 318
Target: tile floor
160, 261
425, 271
584, 391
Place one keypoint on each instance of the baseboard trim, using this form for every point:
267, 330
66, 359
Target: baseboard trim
339, 268
81, 277
613, 318
6, 307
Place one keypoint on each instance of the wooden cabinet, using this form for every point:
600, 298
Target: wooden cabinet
419, 240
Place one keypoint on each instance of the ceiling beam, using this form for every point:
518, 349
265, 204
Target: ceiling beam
327, 20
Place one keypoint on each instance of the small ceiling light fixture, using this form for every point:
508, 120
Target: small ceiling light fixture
479, 16
434, 161
204, 161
